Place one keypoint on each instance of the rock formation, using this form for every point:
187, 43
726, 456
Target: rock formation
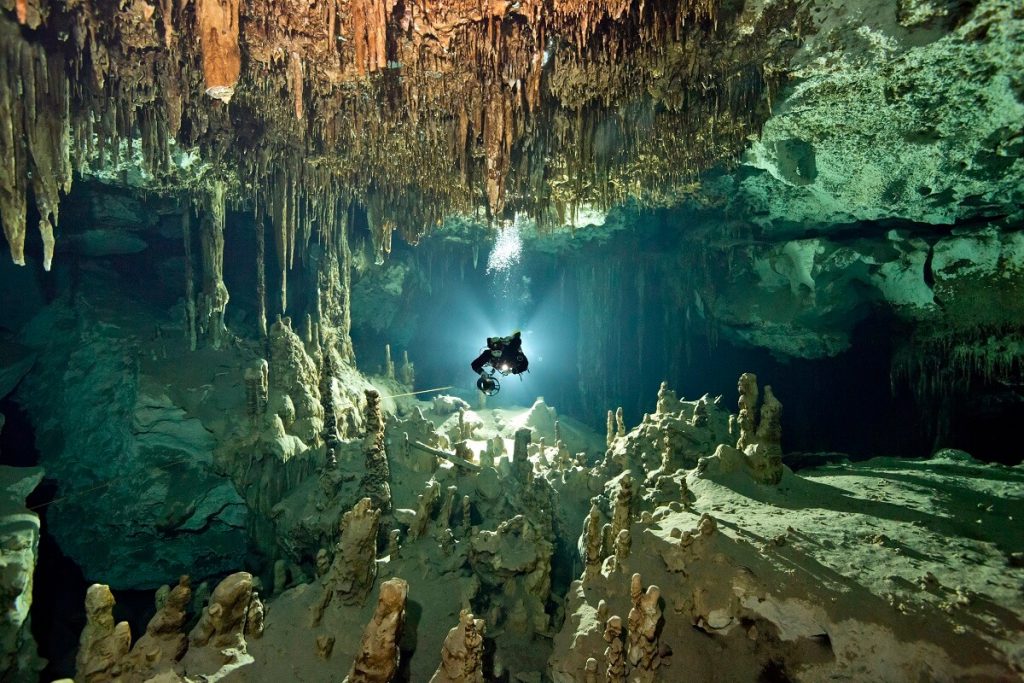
19, 544
103, 644
747, 420
354, 568
257, 391
164, 641
377, 659
642, 629
408, 371
622, 509
375, 483
389, 364
615, 653
222, 59
213, 296
463, 652
222, 623
591, 542
760, 431
91, 395
872, 182
294, 384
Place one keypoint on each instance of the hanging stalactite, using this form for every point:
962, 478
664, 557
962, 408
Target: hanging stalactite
261, 276
418, 110
34, 138
191, 333
217, 25
213, 299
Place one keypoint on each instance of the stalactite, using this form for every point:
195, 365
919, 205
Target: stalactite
34, 138
278, 199
369, 29
381, 227
218, 38
261, 278
345, 347
213, 299
13, 152
531, 96
295, 82
190, 295
167, 15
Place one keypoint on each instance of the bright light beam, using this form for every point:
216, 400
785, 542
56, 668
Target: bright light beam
507, 249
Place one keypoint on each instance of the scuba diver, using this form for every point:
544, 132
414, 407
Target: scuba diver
504, 355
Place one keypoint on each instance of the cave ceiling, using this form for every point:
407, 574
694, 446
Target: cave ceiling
414, 111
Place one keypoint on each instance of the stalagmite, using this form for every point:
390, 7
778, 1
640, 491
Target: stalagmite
444, 516
375, 483
614, 654
257, 391
394, 544
747, 388
663, 395
642, 653
700, 413
622, 508
389, 365
354, 569
623, 543
222, 622
769, 427
467, 514
620, 424
563, 459
591, 542
164, 642
254, 617
424, 507
463, 652
610, 433
103, 643
378, 656
764, 456
408, 371
217, 22
522, 468
760, 434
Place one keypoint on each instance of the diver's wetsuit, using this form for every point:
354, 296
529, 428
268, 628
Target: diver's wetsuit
501, 353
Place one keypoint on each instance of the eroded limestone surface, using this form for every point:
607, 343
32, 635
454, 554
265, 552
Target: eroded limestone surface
729, 565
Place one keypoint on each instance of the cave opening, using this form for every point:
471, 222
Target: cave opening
59, 586
58, 600
849, 402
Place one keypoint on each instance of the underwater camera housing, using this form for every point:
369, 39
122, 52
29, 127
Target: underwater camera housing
487, 381
488, 384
